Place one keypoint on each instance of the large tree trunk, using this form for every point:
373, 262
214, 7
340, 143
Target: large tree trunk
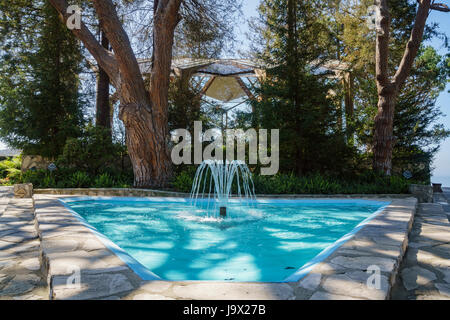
383, 138
388, 88
147, 147
144, 113
103, 108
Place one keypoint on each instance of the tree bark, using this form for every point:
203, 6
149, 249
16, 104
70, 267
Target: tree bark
388, 89
103, 106
143, 113
383, 135
349, 107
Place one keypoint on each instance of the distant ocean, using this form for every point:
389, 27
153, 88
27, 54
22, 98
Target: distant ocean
445, 180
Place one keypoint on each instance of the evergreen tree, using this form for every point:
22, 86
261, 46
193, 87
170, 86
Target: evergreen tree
40, 103
296, 93
416, 132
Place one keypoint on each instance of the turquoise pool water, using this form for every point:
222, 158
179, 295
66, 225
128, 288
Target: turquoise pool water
270, 242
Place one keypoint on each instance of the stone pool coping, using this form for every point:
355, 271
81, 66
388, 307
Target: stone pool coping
131, 192
69, 248
147, 274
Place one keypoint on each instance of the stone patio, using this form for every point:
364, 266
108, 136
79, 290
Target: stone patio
425, 273
20, 270
71, 252
48, 253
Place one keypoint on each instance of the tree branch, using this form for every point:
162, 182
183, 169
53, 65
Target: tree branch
382, 45
104, 57
412, 47
165, 20
440, 7
132, 80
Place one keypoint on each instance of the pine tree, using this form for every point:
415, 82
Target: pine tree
416, 132
40, 104
296, 93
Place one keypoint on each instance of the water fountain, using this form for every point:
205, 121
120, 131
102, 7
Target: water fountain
212, 187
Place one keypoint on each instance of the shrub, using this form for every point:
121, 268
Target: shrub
93, 152
13, 175
183, 181
365, 183
80, 180
104, 181
35, 177
70, 178
10, 171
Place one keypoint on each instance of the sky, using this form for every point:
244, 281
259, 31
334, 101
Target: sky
441, 173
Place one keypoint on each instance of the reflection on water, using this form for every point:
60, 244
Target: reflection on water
268, 243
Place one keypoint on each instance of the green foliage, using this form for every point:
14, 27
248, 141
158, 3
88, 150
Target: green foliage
184, 106
80, 180
92, 152
104, 181
416, 124
40, 103
205, 28
90, 161
71, 178
364, 183
295, 93
10, 170
8, 164
182, 181
417, 130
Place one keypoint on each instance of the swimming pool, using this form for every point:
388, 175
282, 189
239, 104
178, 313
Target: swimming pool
273, 241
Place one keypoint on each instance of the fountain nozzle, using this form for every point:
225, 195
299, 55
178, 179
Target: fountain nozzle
223, 212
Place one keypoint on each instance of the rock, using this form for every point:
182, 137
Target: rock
311, 281
14, 288
415, 277
435, 260
59, 245
91, 286
20, 237
430, 297
235, 291
23, 190
321, 295
356, 284
424, 193
31, 264
28, 297
3, 278
8, 255
92, 244
156, 286
32, 278
147, 296
444, 289
111, 298
7, 263
446, 273
362, 263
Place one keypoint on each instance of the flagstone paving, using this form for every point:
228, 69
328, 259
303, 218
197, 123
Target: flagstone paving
425, 272
43, 250
20, 270
68, 246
